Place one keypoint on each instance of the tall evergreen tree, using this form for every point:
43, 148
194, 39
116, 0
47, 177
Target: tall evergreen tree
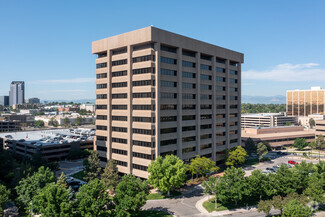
92, 166
110, 176
62, 180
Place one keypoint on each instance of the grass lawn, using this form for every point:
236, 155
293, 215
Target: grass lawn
209, 205
156, 196
79, 175
251, 162
153, 213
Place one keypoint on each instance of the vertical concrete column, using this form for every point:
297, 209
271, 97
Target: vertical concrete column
157, 99
227, 104
109, 105
129, 109
239, 103
198, 103
179, 103
214, 114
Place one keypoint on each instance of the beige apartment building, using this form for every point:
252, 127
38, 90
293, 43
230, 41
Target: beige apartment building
320, 128
161, 93
306, 102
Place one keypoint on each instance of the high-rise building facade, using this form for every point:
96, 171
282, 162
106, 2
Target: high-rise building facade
17, 93
33, 101
4, 100
161, 93
306, 102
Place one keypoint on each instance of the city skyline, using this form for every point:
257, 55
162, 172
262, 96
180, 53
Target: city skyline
56, 63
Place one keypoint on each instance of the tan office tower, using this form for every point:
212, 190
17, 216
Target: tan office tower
306, 102
160, 93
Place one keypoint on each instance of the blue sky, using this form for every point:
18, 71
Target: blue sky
47, 44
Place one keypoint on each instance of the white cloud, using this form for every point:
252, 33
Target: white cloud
61, 91
288, 72
65, 81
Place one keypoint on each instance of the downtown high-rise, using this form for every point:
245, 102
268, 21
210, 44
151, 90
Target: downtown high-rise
160, 93
17, 93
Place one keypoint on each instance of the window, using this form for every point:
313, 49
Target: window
220, 97
189, 139
119, 73
168, 118
101, 138
119, 118
205, 146
144, 131
206, 67
188, 75
120, 129
143, 46
101, 75
205, 96
233, 106
119, 62
168, 95
220, 79
143, 71
220, 60
206, 106
188, 64
168, 60
220, 106
233, 63
100, 127
204, 117
233, 81
101, 148
233, 141
220, 88
139, 167
188, 107
188, 128
168, 72
168, 107
101, 107
220, 125
188, 117
144, 95
206, 136
119, 84
101, 86
119, 51
101, 96
144, 144
233, 89
222, 70
220, 116
188, 85
206, 57
188, 96
101, 117
143, 107
144, 119
205, 77
168, 48
119, 96
187, 150
232, 124
233, 97
103, 159
232, 115
188, 53
119, 151
205, 87
119, 140
205, 126
168, 84
121, 163
144, 156
101, 65
119, 107
102, 54
168, 142
232, 72
143, 58
143, 83
221, 143
168, 130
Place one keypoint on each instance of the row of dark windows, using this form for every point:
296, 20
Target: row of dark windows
100, 127
119, 51
168, 142
168, 48
119, 73
119, 96
168, 60
143, 83
144, 119
188, 128
101, 96
119, 118
144, 131
101, 65
120, 129
119, 107
101, 75
101, 107
143, 46
143, 156
119, 151
102, 54
119, 62
144, 95
101, 117
119, 84
143, 58
101, 86
187, 150
139, 167
144, 144
168, 118
101, 138
143, 71
119, 140
143, 107
101, 148
168, 84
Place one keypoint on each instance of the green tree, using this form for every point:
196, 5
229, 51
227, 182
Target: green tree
212, 187
236, 156
202, 165
130, 195
311, 123
167, 173
261, 150
312, 145
31, 185
285, 181
110, 175
62, 181
302, 173
52, 200
257, 183
79, 121
288, 124
300, 143
278, 203
250, 146
94, 200
53, 122
264, 206
92, 166
315, 189
4, 197
39, 123
294, 208
66, 121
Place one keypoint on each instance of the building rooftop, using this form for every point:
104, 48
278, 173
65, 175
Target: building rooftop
262, 115
51, 137
312, 88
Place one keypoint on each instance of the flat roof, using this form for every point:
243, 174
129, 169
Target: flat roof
309, 132
261, 114
50, 137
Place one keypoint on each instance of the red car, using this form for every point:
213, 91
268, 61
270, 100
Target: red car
292, 162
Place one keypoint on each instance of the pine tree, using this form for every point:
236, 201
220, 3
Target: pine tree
62, 181
110, 175
92, 166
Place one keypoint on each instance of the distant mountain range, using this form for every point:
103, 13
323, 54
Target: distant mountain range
279, 99
245, 99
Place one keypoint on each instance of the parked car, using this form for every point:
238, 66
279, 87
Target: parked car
292, 162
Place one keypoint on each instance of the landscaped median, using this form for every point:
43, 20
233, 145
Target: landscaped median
159, 196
